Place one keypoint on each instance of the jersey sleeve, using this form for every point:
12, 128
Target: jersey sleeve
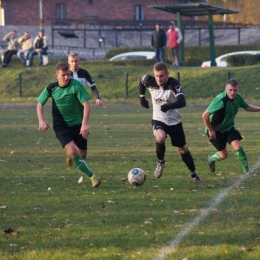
215, 105
44, 96
81, 92
243, 103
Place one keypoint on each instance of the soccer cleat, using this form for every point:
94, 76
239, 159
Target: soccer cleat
251, 174
211, 165
158, 170
69, 161
96, 182
197, 180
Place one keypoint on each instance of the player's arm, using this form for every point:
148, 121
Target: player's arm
96, 94
252, 108
43, 125
206, 120
179, 103
142, 88
84, 131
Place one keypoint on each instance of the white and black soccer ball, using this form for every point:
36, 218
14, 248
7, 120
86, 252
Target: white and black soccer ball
136, 176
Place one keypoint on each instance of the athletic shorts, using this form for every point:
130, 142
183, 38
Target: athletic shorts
68, 134
227, 137
174, 131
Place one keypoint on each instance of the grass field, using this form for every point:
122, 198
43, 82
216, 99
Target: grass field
57, 218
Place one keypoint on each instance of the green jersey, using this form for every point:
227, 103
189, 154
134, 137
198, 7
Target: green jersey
67, 108
223, 111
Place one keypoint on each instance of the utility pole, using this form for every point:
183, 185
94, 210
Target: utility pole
41, 13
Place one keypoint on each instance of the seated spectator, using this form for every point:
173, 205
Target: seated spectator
27, 47
40, 47
12, 47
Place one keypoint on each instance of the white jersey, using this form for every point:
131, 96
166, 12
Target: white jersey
161, 95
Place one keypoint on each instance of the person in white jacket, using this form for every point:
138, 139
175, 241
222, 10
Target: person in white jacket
174, 37
12, 47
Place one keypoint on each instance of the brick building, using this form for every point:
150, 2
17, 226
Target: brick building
48, 12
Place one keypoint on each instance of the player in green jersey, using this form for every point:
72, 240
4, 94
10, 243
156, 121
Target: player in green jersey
219, 121
70, 112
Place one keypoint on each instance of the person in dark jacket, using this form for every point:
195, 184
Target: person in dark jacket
40, 47
158, 42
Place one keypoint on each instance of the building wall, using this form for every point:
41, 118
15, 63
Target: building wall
27, 12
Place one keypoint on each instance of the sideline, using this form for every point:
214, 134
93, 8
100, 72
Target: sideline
203, 213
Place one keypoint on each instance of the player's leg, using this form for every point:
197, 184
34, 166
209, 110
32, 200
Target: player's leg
234, 138
178, 139
219, 143
160, 136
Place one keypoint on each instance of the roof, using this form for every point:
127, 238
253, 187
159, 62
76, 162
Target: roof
196, 9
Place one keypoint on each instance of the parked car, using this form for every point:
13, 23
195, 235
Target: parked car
221, 61
135, 55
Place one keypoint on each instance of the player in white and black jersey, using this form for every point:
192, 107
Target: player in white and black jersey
167, 96
82, 75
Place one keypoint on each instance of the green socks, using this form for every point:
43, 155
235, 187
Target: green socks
82, 165
215, 157
241, 155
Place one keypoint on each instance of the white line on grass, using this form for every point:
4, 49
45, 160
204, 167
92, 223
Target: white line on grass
203, 213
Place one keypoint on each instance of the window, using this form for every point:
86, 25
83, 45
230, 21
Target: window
61, 11
139, 12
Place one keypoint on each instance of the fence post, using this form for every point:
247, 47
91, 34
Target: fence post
126, 85
178, 77
228, 75
20, 84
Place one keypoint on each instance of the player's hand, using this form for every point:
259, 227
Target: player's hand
144, 102
84, 131
165, 108
99, 102
43, 126
212, 135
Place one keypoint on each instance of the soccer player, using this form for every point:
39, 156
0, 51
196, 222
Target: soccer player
70, 112
167, 96
82, 75
219, 121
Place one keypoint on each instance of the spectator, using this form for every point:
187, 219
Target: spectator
174, 39
12, 47
158, 42
40, 47
27, 47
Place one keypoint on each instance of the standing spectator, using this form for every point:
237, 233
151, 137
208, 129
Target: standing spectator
174, 39
12, 47
70, 112
27, 47
219, 121
40, 47
158, 42
167, 96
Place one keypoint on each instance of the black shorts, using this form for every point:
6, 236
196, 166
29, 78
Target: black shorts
174, 131
68, 134
222, 139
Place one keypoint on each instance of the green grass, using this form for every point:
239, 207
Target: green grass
200, 85
61, 219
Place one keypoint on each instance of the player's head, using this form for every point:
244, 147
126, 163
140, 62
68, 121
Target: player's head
62, 74
73, 61
161, 73
231, 88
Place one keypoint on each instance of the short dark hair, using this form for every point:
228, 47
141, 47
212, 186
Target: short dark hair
232, 82
62, 66
160, 66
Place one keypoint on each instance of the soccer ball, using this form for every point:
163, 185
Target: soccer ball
136, 177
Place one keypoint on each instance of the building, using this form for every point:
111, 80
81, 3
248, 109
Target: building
101, 12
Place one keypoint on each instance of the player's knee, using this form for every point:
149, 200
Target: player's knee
183, 149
